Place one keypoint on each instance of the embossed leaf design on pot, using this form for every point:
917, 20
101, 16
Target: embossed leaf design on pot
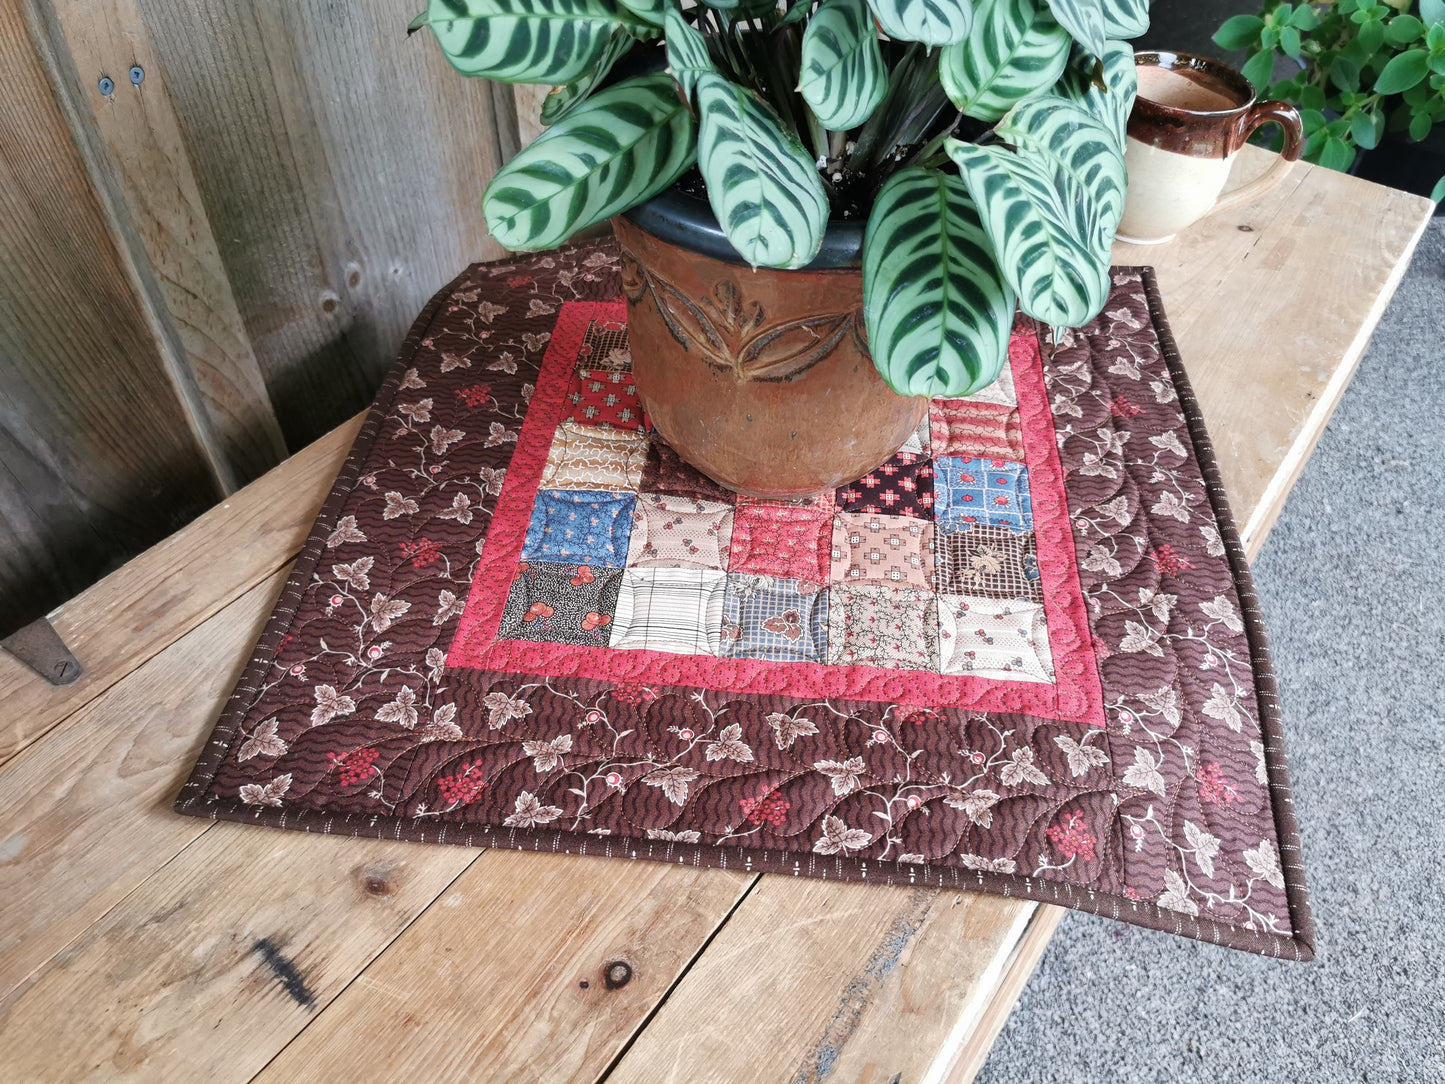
732, 334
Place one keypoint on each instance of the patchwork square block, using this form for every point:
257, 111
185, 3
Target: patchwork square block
876, 624
919, 443
989, 491
981, 430
679, 532
883, 549
779, 620
561, 604
605, 346
995, 562
670, 609
583, 527
1002, 390
786, 541
604, 397
664, 472
589, 457
822, 504
901, 487
1006, 639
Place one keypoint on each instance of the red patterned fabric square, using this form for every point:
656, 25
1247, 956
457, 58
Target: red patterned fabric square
882, 549
604, 397
901, 487
982, 430
780, 540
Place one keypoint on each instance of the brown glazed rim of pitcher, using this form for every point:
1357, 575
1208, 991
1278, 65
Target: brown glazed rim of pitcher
1191, 62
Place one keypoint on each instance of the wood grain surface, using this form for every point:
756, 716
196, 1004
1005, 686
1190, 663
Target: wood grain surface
143, 607
93, 460
151, 169
341, 164
126, 929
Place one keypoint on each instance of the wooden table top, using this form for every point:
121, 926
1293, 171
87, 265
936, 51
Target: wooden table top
138, 943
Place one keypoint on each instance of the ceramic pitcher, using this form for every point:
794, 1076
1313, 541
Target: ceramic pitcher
1190, 118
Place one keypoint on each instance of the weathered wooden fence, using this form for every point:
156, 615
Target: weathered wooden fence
217, 221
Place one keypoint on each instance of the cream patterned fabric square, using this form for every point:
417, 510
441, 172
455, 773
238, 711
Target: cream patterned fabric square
994, 638
679, 532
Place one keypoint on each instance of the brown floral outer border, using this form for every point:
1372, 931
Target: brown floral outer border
195, 798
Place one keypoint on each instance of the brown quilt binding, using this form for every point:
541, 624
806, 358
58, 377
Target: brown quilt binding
197, 799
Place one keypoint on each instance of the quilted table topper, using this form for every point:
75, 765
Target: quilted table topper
1023, 656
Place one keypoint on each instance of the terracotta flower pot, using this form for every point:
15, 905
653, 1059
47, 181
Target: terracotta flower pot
761, 379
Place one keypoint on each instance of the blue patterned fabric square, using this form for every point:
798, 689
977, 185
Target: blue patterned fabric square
994, 492
580, 527
765, 617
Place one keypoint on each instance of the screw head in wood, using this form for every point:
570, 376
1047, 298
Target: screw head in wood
137, 75
106, 85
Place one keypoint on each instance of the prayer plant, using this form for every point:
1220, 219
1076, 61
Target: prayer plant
982, 140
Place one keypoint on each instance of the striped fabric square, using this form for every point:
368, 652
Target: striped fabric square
983, 430
670, 609
1006, 639
778, 620
989, 491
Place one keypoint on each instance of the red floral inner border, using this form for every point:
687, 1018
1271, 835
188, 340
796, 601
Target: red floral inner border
1076, 696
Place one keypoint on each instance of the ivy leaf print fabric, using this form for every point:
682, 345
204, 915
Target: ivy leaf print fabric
1021, 656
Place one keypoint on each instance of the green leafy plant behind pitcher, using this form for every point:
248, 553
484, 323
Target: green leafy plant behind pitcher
982, 140
1356, 69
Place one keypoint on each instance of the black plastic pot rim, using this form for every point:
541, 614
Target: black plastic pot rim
688, 222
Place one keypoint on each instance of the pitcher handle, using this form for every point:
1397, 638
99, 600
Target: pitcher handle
1288, 118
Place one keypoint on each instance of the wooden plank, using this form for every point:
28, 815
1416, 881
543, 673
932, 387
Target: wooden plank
812, 979
100, 458
973, 1051
152, 170
1272, 306
136, 611
532, 967
1261, 400
341, 165
86, 814
217, 960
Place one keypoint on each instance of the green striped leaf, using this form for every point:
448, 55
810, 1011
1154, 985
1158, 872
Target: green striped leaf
687, 55
935, 302
1016, 51
763, 186
1084, 20
562, 100
843, 76
1050, 203
623, 145
932, 22
743, 9
1115, 100
523, 41
1125, 18
649, 11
